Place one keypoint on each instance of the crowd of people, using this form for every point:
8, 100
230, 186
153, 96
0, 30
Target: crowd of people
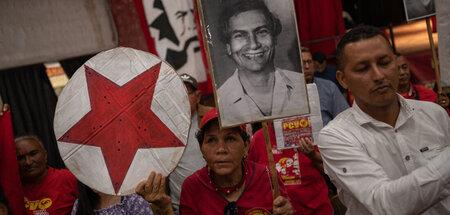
386, 154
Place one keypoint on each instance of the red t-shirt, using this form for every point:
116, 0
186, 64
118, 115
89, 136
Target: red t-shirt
54, 195
305, 184
198, 196
418, 92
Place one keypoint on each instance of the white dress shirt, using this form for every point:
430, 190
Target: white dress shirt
380, 169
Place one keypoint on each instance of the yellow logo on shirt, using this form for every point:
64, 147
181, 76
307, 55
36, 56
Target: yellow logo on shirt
41, 204
257, 211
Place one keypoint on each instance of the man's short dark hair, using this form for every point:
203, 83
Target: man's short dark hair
200, 135
238, 7
358, 33
304, 49
319, 57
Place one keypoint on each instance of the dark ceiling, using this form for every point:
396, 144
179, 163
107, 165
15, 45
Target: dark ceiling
379, 13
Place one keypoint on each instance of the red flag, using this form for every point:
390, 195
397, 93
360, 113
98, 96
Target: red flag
318, 20
10, 176
170, 27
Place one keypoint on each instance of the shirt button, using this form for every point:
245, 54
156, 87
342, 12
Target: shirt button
407, 157
344, 170
395, 130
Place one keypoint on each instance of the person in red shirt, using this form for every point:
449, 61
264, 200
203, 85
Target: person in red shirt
228, 184
47, 190
412, 91
300, 170
409, 90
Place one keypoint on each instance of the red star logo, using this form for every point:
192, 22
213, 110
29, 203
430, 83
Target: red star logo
121, 121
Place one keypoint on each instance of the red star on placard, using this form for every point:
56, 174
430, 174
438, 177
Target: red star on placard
121, 121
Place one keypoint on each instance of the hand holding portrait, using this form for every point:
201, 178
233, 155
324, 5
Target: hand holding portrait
282, 206
306, 146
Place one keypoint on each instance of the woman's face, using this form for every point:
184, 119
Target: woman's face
224, 150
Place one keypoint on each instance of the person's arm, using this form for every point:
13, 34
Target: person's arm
153, 191
354, 171
308, 149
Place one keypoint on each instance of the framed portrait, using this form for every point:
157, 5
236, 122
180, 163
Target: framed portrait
419, 9
253, 53
443, 28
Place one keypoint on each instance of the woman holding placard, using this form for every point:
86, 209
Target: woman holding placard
228, 184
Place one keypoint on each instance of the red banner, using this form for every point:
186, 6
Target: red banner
10, 176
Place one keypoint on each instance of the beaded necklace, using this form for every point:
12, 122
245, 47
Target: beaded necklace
228, 190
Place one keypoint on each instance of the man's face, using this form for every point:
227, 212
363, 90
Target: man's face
251, 43
194, 97
181, 18
370, 72
403, 68
32, 160
319, 67
308, 70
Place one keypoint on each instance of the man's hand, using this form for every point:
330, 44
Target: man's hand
308, 149
306, 146
282, 206
4, 109
443, 100
154, 191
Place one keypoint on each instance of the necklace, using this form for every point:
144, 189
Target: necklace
228, 190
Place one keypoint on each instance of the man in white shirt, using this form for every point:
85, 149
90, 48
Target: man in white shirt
192, 159
386, 154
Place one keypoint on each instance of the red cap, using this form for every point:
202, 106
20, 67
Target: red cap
210, 115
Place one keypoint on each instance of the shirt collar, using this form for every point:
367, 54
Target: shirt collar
205, 179
411, 92
238, 92
281, 82
406, 112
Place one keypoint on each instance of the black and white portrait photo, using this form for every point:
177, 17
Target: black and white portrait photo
249, 43
419, 9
